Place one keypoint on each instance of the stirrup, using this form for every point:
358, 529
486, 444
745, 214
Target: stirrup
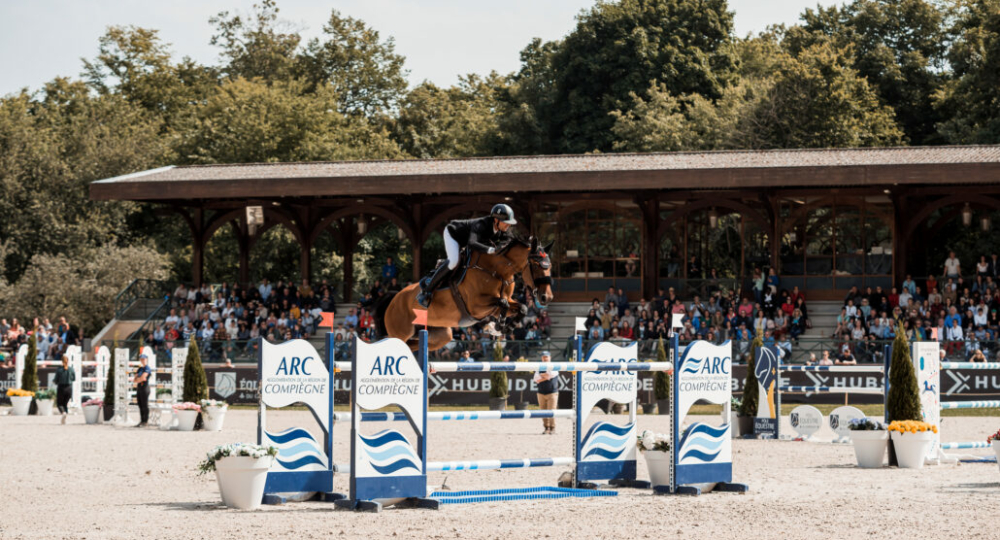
425, 298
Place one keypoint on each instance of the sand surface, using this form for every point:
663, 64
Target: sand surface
80, 481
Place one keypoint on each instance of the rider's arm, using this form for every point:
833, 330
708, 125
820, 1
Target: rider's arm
475, 244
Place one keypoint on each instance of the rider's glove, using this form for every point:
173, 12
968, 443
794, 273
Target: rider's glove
491, 251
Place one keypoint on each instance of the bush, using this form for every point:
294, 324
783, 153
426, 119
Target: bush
498, 379
903, 402
29, 378
661, 379
195, 380
751, 392
109, 383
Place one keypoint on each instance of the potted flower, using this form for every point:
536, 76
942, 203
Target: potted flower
994, 441
241, 471
21, 400
213, 414
870, 440
92, 411
912, 440
187, 415
45, 398
655, 447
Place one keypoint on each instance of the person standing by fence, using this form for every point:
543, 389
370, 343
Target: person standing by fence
65, 375
547, 383
141, 381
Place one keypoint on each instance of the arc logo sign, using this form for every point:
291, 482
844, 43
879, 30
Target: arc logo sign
703, 451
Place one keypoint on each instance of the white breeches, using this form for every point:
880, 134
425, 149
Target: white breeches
452, 248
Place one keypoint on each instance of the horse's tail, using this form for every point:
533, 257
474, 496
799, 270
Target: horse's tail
378, 313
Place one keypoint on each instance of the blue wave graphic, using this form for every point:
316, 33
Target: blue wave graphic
604, 453
308, 447
699, 455
703, 437
290, 435
691, 365
608, 427
395, 466
392, 452
384, 437
309, 459
609, 441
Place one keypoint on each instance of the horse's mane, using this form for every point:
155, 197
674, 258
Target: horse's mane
515, 240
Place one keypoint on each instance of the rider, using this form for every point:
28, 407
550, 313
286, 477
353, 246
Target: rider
474, 234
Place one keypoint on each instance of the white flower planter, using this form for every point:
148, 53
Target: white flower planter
658, 464
186, 419
241, 480
912, 448
22, 404
996, 450
44, 407
92, 414
213, 417
869, 447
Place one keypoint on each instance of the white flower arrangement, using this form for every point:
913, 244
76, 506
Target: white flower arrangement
206, 403
235, 450
647, 440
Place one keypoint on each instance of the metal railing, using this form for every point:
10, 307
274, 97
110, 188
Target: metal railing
140, 289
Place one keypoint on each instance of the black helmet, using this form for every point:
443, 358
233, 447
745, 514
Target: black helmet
504, 213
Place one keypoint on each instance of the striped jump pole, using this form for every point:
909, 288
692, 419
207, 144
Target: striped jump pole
539, 367
832, 389
494, 464
459, 415
965, 445
970, 365
836, 369
945, 405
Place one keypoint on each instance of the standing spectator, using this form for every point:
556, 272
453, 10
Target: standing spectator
952, 266
141, 381
65, 375
983, 267
772, 280
758, 285
910, 285
389, 270
548, 393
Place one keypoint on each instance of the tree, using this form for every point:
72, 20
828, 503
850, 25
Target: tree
251, 121
29, 377
257, 44
661, 379
195, 380
903, 401
498, 379
899, 47
751, 390
616, 50
364, 71
970, 104
460, 121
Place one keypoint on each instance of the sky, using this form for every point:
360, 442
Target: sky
441, 39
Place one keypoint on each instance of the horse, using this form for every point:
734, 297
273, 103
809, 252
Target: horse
485, 290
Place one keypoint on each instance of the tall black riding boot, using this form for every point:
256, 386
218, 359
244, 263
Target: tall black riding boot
429, 285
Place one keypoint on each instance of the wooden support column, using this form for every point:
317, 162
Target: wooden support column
650, 265
348, 235
900, 225
775, 244
243, 240
417, 246
197, 246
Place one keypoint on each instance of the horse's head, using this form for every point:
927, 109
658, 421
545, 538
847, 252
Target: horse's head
538, 273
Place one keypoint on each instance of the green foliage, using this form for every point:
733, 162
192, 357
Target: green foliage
29, 377
903, 402
751, 390
661, 379
971, 101
195, 380
257, 44
498, 379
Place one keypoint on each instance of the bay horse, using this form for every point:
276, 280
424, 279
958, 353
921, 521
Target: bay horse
486, 290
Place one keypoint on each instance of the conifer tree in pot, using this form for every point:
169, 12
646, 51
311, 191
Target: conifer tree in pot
109, 384
498, 382
195, 380
903, 401
661, 382
29, 378
751, 393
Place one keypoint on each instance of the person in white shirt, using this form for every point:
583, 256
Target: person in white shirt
265, 290
852, 310
904, 298
952, 266
172, 318
980, 317
955, 331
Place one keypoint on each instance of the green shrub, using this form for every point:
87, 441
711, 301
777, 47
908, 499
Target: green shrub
661, 379
498, 379
903, 402
751, 392
29, 378
195, 380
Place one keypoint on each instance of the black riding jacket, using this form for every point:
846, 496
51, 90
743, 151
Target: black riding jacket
478, 233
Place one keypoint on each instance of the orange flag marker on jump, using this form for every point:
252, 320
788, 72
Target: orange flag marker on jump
421, 317
326, 320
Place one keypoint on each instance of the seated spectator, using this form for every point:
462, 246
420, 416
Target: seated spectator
825, 360
846, 356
